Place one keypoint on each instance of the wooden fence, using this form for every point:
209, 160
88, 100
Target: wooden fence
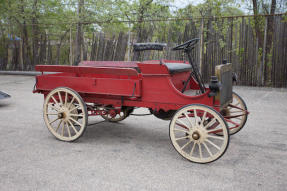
233, 39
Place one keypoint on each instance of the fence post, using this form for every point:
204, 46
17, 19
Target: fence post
129, 43
71, 47
264, 52
201, 49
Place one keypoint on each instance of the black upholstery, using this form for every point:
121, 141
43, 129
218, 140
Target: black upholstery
177, 67
148, 46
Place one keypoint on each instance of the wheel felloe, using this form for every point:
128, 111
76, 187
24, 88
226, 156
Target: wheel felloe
65, 114
192, 132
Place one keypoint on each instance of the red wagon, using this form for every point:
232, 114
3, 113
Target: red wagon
202, 118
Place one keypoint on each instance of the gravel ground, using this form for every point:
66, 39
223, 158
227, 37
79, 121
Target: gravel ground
136, 154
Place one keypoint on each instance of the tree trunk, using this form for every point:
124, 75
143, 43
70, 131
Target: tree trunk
79, 36
144, 5
26, 49
35, 32
269, 41
43, 47
59, 46
258, 31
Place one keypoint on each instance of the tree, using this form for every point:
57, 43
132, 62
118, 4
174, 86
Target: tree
79, 36
265, 42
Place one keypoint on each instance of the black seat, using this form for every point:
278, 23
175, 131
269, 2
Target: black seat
177, 67
148, 46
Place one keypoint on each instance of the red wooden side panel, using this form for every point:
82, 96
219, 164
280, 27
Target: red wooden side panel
106, 86
161, 91
87, 70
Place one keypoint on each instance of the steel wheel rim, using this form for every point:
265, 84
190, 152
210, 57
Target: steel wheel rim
198, 143
65, 114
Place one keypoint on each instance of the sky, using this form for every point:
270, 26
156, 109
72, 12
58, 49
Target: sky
183, 3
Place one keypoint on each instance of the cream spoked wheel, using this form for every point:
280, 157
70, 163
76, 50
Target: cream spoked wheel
65, 114
192, 133
235, 114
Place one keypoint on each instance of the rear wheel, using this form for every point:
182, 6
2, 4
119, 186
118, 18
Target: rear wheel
65, 114
192, 130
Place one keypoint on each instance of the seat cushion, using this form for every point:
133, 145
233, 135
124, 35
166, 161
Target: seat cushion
177, 67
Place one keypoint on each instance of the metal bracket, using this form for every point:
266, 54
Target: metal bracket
133, 94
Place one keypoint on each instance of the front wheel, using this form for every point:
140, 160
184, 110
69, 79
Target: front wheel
192, 133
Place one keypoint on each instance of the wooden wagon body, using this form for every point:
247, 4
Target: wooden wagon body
152, 84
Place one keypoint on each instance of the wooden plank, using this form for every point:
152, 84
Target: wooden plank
103, 86
87, 70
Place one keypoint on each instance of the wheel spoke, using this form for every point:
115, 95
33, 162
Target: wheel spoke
55, 101
238, 111
210, 123
53, 121
71, 102
192, 149
203, 118
77, 107
214, 130
195, 116
58, 126
63, 127
60, 97
180, 138
77, 115
215, 137
209, 152
189, 120
52, 113
66, 98
181, 122
200, 151
68, 128
73, 127
181, 130
213, 144
53, 107
75, 121
186, 144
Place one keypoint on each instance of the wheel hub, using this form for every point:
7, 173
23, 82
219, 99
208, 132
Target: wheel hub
61, 115
195, 135
225, 112
198, 134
